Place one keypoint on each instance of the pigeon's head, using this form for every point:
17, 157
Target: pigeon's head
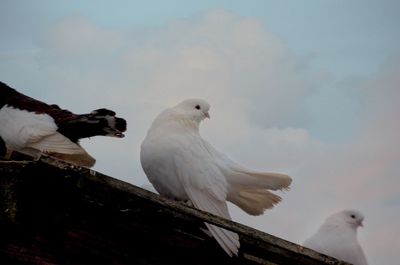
109, 124
194, 109
349, 217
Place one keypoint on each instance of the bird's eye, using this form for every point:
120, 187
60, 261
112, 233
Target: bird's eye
197, 107
353, 216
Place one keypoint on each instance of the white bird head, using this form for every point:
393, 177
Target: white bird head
193, 109
351, 218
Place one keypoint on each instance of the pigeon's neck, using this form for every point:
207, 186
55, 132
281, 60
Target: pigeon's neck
189, 125
185, 123
176, 122
345, 229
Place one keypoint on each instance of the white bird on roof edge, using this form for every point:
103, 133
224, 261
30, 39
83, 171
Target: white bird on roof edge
182, 165
337, 237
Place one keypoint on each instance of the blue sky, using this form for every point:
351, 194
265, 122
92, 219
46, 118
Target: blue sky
348, 40
362, 33
307, 88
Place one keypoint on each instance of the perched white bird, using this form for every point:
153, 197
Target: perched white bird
182, 165
33, 127
337, 237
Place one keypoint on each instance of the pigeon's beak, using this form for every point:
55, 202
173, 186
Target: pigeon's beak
361, 223
207, 114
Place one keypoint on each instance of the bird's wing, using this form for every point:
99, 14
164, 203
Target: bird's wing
248, 188
238, 175
20, 127
205, 186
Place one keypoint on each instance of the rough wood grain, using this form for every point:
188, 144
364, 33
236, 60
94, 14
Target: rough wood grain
52, 212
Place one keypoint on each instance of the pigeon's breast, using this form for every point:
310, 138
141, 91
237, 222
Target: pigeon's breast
158, 163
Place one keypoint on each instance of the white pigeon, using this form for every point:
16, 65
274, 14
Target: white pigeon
337, 237
182, 165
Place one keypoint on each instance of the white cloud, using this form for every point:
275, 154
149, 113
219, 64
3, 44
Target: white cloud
78, 36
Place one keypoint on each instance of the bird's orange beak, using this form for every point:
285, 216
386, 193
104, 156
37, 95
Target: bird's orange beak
207, 114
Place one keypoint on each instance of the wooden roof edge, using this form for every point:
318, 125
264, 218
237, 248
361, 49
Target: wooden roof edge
177, 206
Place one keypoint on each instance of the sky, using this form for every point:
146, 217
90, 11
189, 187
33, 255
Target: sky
309, 89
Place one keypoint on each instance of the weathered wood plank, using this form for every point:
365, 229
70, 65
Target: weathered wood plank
53, 212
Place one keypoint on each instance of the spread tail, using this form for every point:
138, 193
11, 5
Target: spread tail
260, 180
254, 202
250, 190
59, 146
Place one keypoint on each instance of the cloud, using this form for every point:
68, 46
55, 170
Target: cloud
241, 67
75, 37
213, 55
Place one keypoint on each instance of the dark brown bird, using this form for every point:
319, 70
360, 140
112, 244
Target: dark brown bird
33, 127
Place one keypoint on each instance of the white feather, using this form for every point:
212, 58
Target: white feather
20, 128
56, 143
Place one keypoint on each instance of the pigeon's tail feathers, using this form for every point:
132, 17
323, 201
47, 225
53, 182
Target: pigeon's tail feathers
56, 143
259, 180
229, 241
61, 147
254, 201
250, 189
98, 122
238, 175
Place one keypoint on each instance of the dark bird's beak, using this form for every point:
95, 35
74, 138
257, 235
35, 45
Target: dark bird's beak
114, 133
207, 114
360, 223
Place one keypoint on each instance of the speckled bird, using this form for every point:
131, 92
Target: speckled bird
32, 127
